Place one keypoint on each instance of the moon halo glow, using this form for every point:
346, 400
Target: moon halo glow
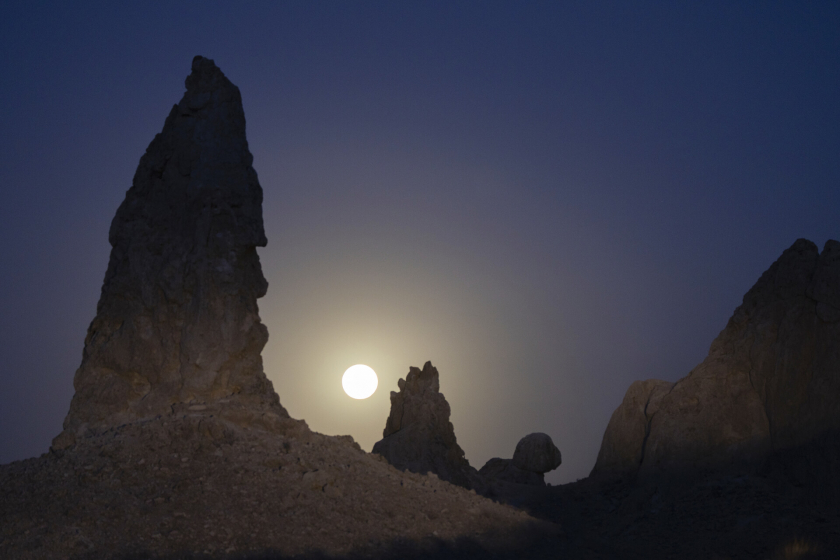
359, 381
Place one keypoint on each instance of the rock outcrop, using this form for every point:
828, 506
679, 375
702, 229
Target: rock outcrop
534, 456
418, 435
177, 320
624, 441
176, 445
502, 470
536, 453
771, 380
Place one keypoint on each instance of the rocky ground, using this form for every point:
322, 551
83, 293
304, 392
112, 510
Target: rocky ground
190, 485
698, 517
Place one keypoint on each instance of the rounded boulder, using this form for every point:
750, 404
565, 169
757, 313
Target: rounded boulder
536, 453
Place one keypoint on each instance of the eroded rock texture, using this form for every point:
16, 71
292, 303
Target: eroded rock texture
177, 320
771, 380
418, 435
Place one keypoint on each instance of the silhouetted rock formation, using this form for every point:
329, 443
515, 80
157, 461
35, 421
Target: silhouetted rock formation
536, 453
534, 456
176, 444
177, 320
418, 435
771, 380
497, 469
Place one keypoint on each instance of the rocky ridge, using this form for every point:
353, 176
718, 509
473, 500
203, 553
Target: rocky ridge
190, 484
769, 383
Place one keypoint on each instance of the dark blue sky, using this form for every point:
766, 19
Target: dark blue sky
547, 200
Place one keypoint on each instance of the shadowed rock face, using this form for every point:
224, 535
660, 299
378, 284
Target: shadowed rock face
536, 453
504, 470
771, 380
534, 456
177, 320
624, 441
418, 435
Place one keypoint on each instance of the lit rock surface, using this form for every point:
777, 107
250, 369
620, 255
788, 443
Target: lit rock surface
418, 435
177, 319
771, 380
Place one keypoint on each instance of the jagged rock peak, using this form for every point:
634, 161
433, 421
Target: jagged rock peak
420, 385
418, 435
177, 321
771, 380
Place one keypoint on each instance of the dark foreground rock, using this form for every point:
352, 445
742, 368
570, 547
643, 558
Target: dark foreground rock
771, 381
190, 485
535, 455
503, 470
418, 435
771, 514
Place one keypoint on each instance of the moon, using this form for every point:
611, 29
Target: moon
359, 381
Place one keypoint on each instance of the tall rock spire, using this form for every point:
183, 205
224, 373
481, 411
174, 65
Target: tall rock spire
177, 321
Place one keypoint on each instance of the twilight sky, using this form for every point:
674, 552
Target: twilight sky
548, 200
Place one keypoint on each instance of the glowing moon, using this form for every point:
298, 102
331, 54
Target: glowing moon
359, 381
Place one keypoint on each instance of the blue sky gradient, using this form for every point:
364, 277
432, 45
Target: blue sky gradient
548, 200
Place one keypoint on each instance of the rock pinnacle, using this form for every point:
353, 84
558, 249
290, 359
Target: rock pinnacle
177, 322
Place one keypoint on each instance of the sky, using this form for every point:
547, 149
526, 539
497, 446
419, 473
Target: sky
548, 200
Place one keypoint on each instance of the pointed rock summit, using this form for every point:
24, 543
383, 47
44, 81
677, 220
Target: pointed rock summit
770, 383
418, 435
177, 322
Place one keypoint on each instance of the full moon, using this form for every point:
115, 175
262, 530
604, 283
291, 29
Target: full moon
359, 381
